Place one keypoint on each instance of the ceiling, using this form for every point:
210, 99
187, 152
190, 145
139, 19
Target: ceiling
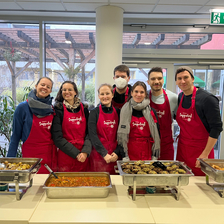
132, 8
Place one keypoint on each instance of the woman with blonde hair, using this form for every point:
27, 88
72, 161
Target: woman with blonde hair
103, 124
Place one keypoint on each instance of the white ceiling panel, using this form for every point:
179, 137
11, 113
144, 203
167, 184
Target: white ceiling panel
41, 1
86, 1
9, 5
135, 7
82, 6
215, 2
183, 2
133, 1
206, 9
42, 6
176, 9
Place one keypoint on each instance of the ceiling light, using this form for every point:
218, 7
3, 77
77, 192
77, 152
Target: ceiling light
216, 10
143, 26
68, 42
147, 43
133, 61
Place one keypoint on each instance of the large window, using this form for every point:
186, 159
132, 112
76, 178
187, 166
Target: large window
70, 55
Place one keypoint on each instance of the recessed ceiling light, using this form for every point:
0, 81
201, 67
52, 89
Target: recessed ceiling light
147, 43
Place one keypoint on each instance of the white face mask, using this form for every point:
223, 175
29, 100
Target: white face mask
120, 83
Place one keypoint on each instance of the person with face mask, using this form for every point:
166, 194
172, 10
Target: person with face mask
165, 104
32, 124
103, 124
121, 89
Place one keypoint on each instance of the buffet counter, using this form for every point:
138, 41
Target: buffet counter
198, 203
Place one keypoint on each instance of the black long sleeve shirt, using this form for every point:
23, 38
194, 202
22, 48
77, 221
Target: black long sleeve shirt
207, 108
57, 134
120, 98
92, 125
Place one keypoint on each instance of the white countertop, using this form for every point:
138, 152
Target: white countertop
198, 204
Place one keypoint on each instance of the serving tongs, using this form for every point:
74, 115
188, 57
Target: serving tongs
162, 166
51, 171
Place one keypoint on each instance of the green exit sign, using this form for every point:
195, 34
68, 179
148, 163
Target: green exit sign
217, 18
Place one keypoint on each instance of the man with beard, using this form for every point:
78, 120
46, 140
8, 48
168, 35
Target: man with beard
121, 89
165, 104
198, 116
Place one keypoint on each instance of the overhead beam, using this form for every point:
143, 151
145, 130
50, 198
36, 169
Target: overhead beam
159, 39
86, 60
23, 69
6, 38
51, 40
203, 40
137, 39
143, 46
56, 58
27, 39
69, 37
182, 40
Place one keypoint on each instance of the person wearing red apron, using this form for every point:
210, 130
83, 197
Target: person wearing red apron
69, 130
165, 103
194, 139
121, 89
103, 124
165, 122
138, 131
32, 124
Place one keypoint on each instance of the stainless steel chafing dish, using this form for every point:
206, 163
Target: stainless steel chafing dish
162, 180
19, 176
78, 192
217, 175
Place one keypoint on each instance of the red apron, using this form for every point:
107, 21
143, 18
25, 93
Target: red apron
107, 126
193, 136
39, 144
140, 140
120, 105
165, 124
74, 131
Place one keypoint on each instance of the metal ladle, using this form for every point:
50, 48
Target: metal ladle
50, 170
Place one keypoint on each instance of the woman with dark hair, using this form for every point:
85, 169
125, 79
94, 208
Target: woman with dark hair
103, 124
69, 130
138, 130
32, 124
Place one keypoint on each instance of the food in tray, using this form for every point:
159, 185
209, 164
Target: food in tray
15, 166
63, 181
148, 168
217, 167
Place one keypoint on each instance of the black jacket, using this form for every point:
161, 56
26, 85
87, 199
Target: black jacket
92, 125
57, 135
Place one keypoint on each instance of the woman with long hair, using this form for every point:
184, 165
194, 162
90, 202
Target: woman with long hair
69, 130
103, 124
32, 124
138, 131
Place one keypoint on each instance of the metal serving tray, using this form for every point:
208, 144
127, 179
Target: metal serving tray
217, 175
155, 179
19, 176
78, 192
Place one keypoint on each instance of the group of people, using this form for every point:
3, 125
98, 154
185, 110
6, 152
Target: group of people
129, 123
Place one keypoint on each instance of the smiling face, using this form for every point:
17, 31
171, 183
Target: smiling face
105, 95
138, 94
68, 93
43, 88
156, 81
185, 82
